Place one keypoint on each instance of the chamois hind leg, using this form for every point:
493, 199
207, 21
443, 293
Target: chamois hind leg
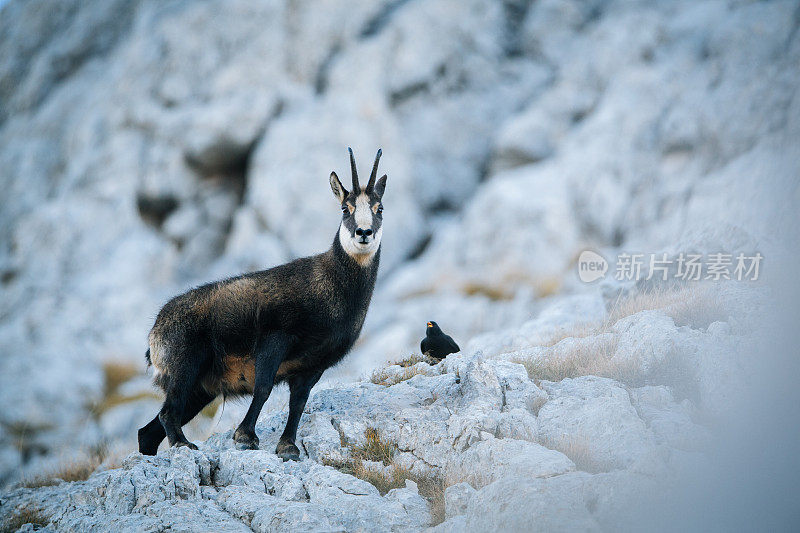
151, 435
299, 388
180, 386
269, 352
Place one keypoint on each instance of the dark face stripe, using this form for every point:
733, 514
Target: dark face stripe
364, 211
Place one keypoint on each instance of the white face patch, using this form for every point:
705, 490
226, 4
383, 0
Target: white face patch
356, 231
362, 253
363, 214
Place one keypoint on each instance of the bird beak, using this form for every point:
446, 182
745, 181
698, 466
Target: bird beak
429, 325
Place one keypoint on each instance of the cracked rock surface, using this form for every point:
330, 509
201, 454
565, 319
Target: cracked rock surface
147, 147
509, 449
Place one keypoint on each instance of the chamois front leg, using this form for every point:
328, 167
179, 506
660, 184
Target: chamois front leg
269, 353
299, 388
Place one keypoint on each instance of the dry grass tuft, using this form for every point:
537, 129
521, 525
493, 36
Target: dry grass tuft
116, 373
411, 360
380, 479
26, 515
580, 452
431, 487
109, 402
545, 287
476, 478
583, 359
374, 448
694, 305
691, 305
496, 293
578, 332
503, 289
73, 470
382, 376
383, 451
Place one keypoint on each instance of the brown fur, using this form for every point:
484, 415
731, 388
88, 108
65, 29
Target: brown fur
295, 320
239, 375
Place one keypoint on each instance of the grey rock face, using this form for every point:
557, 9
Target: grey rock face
591, 409
204, 490
146, 147
504, 451
457, 498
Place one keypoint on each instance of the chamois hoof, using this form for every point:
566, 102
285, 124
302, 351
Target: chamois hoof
186, 443
245, 441
147, 449
287, 451
147, 445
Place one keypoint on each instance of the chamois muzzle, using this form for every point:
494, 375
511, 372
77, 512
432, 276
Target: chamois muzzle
364, 234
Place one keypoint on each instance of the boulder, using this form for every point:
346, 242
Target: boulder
592, 420
537, 504
493, 459
457, 498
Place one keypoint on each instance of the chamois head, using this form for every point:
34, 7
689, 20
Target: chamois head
362, 212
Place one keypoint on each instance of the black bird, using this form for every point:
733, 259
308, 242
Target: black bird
436, 343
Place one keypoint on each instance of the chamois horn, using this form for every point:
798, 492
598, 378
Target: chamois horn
353, 170
372, 176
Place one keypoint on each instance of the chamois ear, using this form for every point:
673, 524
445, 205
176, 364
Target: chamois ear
338, 190
380, 186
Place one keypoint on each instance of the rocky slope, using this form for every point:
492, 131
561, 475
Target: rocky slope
146, 147
495, 444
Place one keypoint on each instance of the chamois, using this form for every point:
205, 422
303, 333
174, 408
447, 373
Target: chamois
289, 323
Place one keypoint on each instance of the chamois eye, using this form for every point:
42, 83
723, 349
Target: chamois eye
345, 210
380, 209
